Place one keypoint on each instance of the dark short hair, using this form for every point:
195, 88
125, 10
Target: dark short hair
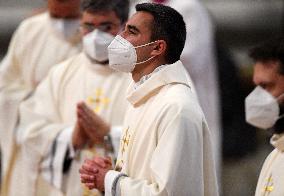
120, 7
270, 50
167, 25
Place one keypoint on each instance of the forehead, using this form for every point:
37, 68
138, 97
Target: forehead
64, 2
100, 17
265, 72
141, 20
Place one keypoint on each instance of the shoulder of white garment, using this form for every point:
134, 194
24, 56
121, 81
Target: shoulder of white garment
277, 140
38, 20
170, 75
180, 99
67, 67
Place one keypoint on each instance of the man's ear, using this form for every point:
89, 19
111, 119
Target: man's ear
160, 47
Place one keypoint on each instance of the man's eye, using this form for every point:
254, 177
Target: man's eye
105, 28
131, 31
263, 85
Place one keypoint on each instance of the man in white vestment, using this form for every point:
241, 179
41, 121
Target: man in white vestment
265, 108
81, 101
166, 145
38, 44
198, 57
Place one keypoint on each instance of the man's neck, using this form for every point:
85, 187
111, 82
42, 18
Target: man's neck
145, 69
278, 127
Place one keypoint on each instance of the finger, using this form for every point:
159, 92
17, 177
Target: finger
100, 162
108, 160
83, 171
85, 178
89, 163
90, 131
86, 118
84, 122
88, 111
80, 104
90, 185
86, 108
90, 169
81, 111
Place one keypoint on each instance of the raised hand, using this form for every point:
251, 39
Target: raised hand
95, 127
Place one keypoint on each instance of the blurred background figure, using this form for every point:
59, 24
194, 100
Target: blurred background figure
264, 109
38, 43
80, 101
239, 25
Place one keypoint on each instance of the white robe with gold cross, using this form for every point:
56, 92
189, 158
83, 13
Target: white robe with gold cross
48, 119
35, 47
198, 57
166, 145
270, 182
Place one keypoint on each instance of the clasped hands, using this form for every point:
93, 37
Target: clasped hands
93, 172
90, 128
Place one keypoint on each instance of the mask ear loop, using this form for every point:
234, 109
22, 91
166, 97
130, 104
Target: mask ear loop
145, 60
143, 46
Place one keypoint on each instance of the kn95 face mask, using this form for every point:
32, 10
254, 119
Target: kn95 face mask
96, 44
122, 54
261, 108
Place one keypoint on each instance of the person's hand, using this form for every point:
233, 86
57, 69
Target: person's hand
93, 172
95, 127
79, 137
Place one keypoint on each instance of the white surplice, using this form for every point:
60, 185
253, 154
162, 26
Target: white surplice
270, 181
199, 60
35, 47
48, 119
166, 145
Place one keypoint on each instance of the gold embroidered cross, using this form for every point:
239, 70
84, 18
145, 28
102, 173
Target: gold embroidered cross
268, 188
118, 166
125, 140
269, 185
98, 101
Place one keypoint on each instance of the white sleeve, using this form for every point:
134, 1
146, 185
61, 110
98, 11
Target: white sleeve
52, 165
110, 179
115, 134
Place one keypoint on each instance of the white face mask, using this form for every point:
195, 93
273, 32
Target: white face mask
262, 109
95, 45
122, 55
67, 28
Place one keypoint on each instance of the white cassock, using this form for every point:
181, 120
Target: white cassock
166, 145
48, 119
199, 60
34, 49
271, 178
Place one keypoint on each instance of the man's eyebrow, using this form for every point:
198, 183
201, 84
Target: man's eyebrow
134, 28
101, 24
106, 23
